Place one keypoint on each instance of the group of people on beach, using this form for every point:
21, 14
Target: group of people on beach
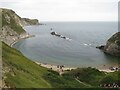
115, 68
60, 67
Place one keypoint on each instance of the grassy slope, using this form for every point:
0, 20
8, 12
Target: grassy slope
25, 73
93, 76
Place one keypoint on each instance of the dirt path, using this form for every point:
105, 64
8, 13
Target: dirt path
82, 82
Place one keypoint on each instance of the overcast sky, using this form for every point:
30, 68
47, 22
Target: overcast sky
65, 10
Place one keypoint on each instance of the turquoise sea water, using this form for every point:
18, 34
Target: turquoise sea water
79, 51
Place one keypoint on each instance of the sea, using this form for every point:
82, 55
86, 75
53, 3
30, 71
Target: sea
77, 50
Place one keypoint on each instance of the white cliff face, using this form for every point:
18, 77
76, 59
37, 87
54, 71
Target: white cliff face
9, 36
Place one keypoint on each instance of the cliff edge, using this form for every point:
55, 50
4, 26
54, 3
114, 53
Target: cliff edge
113, 45
12, 26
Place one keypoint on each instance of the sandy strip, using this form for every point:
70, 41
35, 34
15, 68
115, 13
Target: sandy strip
106, 70
55, 68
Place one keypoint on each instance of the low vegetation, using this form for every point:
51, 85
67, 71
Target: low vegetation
20, 72
93, 77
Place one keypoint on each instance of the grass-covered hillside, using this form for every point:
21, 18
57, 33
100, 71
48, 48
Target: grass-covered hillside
94, 77
20, 72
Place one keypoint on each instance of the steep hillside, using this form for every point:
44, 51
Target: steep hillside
12, 26
12, 20
20, 72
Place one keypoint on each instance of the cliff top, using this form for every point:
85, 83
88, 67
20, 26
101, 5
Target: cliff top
115, 39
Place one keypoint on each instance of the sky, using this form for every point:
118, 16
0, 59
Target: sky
65, 10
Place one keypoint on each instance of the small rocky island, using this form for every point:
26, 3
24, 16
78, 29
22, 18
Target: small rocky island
58, 35
112, 46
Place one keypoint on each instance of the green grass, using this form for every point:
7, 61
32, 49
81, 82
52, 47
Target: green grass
93, 77
111, 77
62, 82
27, 73
24, 73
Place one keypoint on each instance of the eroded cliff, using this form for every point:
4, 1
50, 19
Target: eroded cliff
12, 26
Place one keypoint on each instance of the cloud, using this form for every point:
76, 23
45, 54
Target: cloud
65, 10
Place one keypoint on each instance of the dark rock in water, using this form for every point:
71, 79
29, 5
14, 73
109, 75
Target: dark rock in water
58, 35
101, 47
63, 37
53, 33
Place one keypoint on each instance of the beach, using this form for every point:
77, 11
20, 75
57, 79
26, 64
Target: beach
80, 52
64, 68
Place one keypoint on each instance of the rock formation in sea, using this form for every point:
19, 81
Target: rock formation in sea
58, 35
12, 26
112, 46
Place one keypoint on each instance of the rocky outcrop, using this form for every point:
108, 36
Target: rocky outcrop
12, 26
27, 21
112, 46
58, 35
